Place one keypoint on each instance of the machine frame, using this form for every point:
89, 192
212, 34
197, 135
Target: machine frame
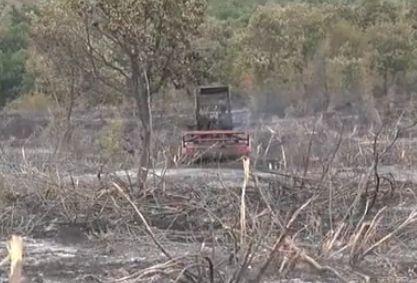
214, 135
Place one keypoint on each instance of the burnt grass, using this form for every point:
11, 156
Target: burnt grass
79, 228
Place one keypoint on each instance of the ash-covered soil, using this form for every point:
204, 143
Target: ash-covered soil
61, 251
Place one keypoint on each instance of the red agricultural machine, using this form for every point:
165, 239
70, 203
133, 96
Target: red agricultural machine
213, 135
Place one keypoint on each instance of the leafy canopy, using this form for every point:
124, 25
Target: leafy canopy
13, 46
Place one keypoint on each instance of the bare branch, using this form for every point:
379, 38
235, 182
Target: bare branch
279, 241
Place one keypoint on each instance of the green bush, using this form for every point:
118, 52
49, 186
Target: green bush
13, 45
109, 138
32, 102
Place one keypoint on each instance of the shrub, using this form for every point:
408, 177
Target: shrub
32, 102
109, 138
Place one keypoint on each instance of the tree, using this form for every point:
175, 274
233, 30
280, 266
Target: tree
393, 50
278, 45
58, 63
373, 12
346, 63
135, 47
13, 45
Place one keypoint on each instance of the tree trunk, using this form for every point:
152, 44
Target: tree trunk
141, 93
385, 83
69, 102
144, 106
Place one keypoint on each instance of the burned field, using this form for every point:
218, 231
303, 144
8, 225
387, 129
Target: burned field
325, 200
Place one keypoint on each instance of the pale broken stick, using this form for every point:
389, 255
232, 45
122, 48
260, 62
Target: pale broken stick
279, 241
143, 219
246, 163
15, 255
313, 263
148, 228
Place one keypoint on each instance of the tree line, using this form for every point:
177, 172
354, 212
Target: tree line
325, 54
323, 51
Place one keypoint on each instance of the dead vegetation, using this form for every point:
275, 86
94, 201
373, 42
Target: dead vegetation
316, 203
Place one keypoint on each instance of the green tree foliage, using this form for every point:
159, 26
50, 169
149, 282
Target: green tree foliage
233, 10
334, 51
373, 12
280, 40
13, 45
393, 50
328, 51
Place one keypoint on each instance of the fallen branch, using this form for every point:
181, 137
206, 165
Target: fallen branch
279, 242
410, 219
156, 269
313, 263
143, 219
149, 229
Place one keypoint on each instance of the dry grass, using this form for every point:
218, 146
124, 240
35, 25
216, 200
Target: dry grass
32, 102
328, 211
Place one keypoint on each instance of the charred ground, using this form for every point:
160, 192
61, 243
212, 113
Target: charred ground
329, 199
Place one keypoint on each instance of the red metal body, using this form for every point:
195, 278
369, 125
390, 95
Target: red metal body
226, 143
213, 134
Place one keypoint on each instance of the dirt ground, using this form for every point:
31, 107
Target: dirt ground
357, 224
